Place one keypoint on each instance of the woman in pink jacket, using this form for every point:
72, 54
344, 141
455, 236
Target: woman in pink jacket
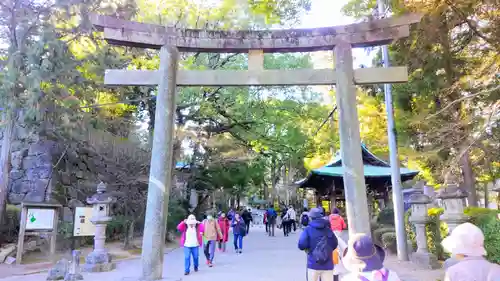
191, 240
224, 228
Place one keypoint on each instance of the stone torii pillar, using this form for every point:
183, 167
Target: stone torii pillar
171, 40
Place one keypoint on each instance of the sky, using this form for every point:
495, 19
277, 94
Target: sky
328, 13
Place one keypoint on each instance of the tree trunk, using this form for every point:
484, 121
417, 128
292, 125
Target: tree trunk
5, 164
469, 181
129, 236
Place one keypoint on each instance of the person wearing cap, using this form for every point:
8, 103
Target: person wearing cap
319, 242
191, 240
365, 261
466, 245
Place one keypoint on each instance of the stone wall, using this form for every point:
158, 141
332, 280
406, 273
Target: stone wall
31, 168
44, 168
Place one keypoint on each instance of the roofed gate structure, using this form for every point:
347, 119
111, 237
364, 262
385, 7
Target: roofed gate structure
170, 41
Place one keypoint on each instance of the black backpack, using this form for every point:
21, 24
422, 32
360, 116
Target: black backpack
322, 252
305, 220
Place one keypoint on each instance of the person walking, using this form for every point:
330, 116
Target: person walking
247, 218
337, 223
264, 220
212, 234
292, 215
230, 214
304, 218
319, 242
285, 222
191, 240
239, 229
271, 219
224, 226
466, 245
365, 261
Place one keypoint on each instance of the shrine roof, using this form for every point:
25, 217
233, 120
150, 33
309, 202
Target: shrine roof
374, 168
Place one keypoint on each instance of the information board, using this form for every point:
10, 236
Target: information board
40, 219
83, 226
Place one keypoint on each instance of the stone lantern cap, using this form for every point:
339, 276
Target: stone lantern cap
102, 196
451, 189
418, 198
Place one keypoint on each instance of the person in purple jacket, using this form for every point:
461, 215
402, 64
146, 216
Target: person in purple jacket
319, 242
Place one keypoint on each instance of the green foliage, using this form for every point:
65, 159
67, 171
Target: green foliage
377, 234
487, 220
386, 217
410, 230
117, 228
10, 229
176, 213
389, 241
436, 231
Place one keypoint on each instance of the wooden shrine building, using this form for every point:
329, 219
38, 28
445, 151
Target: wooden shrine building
328, 183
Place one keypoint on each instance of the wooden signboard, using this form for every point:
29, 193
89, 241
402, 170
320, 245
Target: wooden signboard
38, 219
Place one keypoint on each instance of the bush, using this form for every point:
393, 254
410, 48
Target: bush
117, 228
410, 230
487, 220
436, 230
9, 231
386, 217
389, 241
176, 213
377, 234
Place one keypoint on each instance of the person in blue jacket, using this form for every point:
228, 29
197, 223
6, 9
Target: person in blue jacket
319, 242
271, 216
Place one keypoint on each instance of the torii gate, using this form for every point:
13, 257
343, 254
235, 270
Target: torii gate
340, 39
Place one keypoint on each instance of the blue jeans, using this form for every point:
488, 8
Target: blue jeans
188, 252
238, 239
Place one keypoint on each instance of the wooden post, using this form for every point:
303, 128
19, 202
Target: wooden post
160, 175
255, 60
22, 231
53, 237
350, 142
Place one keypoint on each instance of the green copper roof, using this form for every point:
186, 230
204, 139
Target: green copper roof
374, 168
369, 171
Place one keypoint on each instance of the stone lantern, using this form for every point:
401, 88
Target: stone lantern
100, 260
453, 201
419, 217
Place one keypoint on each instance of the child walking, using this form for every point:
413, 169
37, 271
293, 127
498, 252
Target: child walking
191, 240
239, 229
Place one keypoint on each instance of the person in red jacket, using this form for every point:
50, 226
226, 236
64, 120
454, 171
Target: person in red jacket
224, 228
337, 223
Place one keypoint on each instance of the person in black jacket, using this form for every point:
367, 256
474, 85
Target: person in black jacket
247, 218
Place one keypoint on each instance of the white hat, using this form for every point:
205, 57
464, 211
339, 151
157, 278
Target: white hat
466, 239
192, 220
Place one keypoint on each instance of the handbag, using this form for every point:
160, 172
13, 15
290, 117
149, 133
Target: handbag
335, 256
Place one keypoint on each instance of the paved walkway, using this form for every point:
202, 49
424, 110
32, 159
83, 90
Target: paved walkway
263, 259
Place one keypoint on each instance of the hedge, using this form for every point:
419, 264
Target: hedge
487, 220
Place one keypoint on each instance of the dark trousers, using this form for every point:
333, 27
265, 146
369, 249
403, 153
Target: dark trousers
286, 227
293, 224
271, 225
247, 227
